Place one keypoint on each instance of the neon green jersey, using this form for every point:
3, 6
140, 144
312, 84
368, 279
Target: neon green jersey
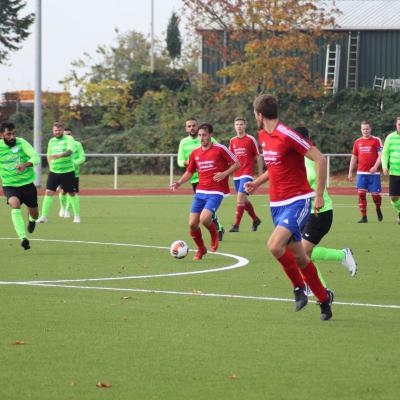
391, 153
60, 145
186, 146
312, 180
79, 157
11, 157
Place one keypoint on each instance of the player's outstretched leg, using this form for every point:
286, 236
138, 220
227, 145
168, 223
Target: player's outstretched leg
256, 221
396, 205
219, 227
345, 256
74, 200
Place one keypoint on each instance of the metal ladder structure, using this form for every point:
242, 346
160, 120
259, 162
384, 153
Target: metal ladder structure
353, 53
378, 82
332, 67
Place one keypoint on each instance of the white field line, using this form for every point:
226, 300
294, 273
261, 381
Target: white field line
200, 294
241, 262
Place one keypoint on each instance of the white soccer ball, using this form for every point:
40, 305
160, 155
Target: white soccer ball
179, 249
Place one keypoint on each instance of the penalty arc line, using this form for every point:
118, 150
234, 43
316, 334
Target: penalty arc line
241, 262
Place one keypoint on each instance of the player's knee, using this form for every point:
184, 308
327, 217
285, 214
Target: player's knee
275, 248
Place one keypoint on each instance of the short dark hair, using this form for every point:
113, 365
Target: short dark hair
208, 127
302, 131
67, 129
365, 122
267, 105
7, 125
57, 125
240, 119
398, 118
191, 119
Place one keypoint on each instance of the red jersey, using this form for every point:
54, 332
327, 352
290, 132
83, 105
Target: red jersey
283, 152
246, 150
208, 162
367, 151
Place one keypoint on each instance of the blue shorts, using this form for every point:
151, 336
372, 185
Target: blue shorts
239, 184
292, 216
371, 183
209, 201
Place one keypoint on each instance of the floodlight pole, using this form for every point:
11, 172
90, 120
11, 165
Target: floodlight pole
37, 121
152, 37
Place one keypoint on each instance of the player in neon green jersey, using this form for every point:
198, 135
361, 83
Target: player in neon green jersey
391, 166
186, 146
65, 200
60, 156
319, 224
17, 158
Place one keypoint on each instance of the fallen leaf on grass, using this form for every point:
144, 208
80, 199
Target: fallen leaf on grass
19, 342
126, 297
233, 376
103, 385
194, 291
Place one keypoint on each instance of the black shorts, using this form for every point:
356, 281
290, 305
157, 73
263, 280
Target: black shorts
66, 181
76, 186
317, 226
394, 185
26, 194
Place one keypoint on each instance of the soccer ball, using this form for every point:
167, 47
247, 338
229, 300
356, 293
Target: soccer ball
179, 249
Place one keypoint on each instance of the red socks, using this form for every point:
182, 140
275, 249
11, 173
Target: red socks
198, 238
239, 213
377, 198
362, 203
249, 208
310, 275
291, 269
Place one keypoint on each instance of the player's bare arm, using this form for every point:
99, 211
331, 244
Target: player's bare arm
184, 178
251, 187
260, 165
353, 163
219, 176
321, 170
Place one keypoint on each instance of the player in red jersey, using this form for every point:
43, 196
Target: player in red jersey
245, 148
215, 163
290, 195
367, 153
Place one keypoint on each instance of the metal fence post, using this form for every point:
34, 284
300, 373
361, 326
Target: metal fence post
115, 172
328, 170
171, 170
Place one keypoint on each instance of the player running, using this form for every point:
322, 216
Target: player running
65, 199
319, 224
245, 148
214, 163
17, 158
367, 152
290, 200
186, 146
60, 156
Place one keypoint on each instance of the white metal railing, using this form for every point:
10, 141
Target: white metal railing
171, 157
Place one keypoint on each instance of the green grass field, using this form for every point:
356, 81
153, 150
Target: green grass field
228, 334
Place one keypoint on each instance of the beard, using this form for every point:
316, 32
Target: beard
193, 134
10, 143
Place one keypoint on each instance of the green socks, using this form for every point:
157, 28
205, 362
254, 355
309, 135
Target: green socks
63, 200
396, 205
47, 202
324, 254
74, 200
18, 222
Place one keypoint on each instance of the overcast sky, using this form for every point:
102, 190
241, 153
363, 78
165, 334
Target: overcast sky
72, 27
